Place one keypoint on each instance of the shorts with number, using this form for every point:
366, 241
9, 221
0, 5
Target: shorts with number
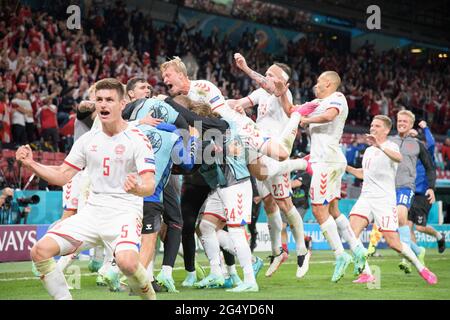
117, 228
326, 182
232, 205
279, 187
381, 210
404, 197
75, 192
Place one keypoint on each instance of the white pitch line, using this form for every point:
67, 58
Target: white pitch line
385, 259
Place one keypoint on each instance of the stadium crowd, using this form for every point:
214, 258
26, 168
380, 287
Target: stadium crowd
48, 72
45, 69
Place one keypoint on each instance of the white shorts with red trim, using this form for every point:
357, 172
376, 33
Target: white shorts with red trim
326, 182
382, 210
117, 229
232, 205
279, 187
76, 191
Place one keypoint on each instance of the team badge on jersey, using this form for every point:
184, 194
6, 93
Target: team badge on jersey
119, 149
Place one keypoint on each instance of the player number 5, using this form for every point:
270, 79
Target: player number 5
124, 231
106, 166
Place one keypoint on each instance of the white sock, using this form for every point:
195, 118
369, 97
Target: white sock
243, 253
290, 132
150, 271
66, 261
275, 226
276, 168
225, 241
367, 269
98, 253
232, 269
167, 270
409, 254
227, 244
53, 279
439, 236
107, 261
346, 231
296, 224
211, 245
192, 273
330, 232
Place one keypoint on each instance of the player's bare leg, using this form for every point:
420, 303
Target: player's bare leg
67, 260
51, 276
440, 237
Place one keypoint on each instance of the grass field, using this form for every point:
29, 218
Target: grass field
17, 282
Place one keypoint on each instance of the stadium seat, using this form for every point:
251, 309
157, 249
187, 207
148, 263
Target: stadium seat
60, 156
48, 155
6, 153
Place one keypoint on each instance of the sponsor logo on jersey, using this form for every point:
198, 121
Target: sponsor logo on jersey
120, 149
214, 99
93, 148
336, 103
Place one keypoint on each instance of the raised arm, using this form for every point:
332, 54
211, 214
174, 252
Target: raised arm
259, 78
56, 175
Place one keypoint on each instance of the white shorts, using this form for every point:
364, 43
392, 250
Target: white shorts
279, 187
231, 204
326, 182
116, 228
76, 191
382, 210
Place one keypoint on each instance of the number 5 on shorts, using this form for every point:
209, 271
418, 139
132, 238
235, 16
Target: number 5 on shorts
124, 231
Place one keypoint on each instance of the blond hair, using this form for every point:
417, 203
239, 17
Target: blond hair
200, 108
176, 64
408, 114
386, 121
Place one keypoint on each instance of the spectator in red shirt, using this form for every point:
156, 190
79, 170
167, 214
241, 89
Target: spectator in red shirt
49, 123
5, 120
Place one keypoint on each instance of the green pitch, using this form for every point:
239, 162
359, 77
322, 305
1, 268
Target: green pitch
17, 282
